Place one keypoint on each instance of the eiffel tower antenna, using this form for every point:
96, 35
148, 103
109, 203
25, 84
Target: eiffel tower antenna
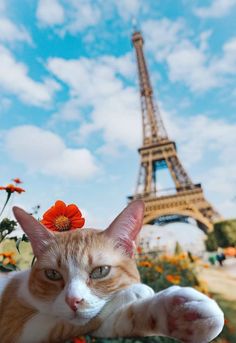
186, 200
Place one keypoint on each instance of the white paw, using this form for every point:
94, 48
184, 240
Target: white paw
191, 316
133, 293
141, 291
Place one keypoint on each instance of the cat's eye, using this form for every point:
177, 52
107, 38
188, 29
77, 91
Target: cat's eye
100, 272
53, 275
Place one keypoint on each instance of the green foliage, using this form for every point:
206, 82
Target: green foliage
164, 271
225, 233
211, 243
6, 268
228, 334
7, 226
132, 340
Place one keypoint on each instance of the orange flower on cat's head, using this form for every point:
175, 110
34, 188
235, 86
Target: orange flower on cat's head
62, 217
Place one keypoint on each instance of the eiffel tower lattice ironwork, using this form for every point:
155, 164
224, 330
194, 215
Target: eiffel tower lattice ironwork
186, 200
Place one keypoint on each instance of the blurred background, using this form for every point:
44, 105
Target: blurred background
71, 123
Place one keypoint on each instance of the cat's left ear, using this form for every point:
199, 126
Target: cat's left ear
38, 235
125, 228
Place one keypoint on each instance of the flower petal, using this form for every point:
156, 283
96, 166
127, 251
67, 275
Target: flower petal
77, 223
60, 207
72, 210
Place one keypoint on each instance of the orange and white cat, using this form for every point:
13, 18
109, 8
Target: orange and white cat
86, 282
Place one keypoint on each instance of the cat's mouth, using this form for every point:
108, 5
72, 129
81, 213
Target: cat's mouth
79, 319
82, 317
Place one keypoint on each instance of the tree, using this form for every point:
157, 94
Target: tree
211, 242
225, 233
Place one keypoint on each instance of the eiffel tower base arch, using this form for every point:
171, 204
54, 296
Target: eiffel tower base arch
187, 203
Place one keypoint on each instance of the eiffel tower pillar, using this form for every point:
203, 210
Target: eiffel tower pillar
186, 200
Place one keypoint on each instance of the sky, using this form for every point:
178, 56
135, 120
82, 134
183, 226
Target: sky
70, 118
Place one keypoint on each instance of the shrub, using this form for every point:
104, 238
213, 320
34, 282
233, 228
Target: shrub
225, 233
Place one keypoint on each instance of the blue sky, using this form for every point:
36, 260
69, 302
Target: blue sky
70, 120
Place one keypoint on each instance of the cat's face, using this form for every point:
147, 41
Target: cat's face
83, 265
76, 273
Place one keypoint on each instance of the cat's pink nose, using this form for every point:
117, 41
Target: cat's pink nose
74, 302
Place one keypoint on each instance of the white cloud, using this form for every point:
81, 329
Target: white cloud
68, 15
217, 9
128, 8
73, 16
50, 12
14, 79
189, 64
162, 35
82, 14
10, 32
99, 84
189, 60
200, 71
43, 151
69, 111
204, 136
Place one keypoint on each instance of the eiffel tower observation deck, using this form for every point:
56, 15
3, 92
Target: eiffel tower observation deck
186, 199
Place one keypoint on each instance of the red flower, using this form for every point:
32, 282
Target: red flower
79, 340
17, 180
63, 218
11, 189
139, 250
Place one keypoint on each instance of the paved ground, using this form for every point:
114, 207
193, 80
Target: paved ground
222, 280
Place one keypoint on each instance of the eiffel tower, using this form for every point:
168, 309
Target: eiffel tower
186, 200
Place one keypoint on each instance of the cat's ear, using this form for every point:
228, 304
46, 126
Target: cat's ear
126, 226
38, 235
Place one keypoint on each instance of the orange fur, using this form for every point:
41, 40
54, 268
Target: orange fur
15, 313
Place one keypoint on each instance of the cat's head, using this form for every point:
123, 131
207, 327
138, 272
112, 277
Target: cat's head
77, 272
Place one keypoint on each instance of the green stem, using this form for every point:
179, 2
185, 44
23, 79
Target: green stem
8, 198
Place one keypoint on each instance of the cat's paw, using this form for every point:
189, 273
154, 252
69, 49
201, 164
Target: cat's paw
141, 291
134, 292
191, 316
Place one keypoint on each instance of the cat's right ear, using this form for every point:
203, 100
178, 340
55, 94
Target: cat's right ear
125, 228
38, 235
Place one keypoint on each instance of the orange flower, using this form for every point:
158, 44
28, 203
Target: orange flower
63, 218
17, 180
7, 258
146, 264
7, 254
11, 189
175, 279
159, 269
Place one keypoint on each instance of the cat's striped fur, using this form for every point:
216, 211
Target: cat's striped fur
35, 309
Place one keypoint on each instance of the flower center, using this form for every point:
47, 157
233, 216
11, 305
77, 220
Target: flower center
62, 223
